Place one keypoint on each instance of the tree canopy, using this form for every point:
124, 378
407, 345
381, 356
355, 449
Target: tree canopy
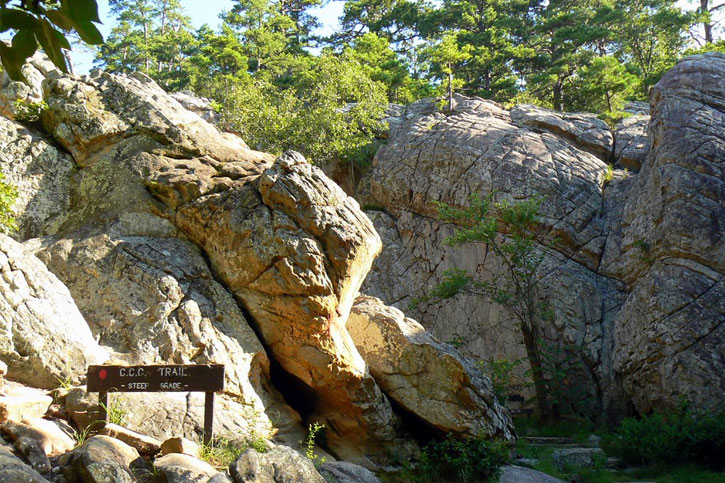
281, 85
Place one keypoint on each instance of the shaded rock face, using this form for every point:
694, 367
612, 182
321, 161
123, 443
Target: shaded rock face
45, 339
477, 149
635, 281
671, 330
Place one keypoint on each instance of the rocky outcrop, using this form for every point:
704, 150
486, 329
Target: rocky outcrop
585, 130
45, 338
42, 175
631, 142
671, 330
436, 158
425, 377
635, 280
179, 244
198, 105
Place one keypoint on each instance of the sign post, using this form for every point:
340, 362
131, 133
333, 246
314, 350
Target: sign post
167, 378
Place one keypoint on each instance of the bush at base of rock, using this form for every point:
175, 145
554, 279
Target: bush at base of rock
683, 436
469, 459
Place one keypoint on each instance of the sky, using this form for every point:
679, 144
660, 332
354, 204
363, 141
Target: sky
202, 12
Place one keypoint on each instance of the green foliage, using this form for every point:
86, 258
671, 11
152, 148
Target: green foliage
314, 431
503, 376
330, 112
461, 460
8, 195
222, 451
115, 412
29, 111
682, 436
43, 23
510, 232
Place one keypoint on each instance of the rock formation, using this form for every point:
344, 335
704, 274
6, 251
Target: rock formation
636, 279
179, 244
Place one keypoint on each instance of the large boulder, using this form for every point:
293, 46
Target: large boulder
427, 378
45, 338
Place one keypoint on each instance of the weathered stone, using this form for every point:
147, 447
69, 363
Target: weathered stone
198, 105
42, 175
344, 472
670, 332
35, 69
518, 474
102, 459
182, 468
586, 457
180, 444
44, 337
294, 249
279, 465
50, 437
12, 469
585, 130
30, 449
145, 445
427, 378
631, 143
22, 402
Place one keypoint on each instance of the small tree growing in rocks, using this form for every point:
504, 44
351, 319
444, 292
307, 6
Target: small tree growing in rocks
510, 231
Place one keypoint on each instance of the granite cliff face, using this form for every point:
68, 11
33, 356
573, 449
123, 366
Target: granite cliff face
179, 244
636, 279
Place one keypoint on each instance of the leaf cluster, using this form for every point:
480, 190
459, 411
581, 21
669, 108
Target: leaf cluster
472, 459
45, 24
677, 437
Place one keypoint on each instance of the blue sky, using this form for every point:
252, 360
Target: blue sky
202, 12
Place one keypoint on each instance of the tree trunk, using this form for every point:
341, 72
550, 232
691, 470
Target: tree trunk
450, 89
537, 372
706, 25
558, 98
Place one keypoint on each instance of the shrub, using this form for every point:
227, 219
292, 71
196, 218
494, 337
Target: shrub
464, 460
683, 436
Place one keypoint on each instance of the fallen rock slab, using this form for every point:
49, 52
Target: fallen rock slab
45, 339
33, 454
344, 472
23, 402
518, 474
179, 444
428, 378
577, 457
144, 444
182, 468
49, 436
279, 465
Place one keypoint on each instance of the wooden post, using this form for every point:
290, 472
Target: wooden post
208, 417
103, 403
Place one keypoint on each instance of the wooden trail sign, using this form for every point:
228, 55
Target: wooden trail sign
207, 378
